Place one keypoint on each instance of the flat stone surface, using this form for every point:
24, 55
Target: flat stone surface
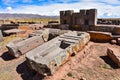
116, 30
17, 49
56, 52
100, 36
114, 54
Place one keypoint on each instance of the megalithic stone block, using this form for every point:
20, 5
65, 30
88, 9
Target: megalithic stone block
21, 47
17, 48
1, 36
99, 36
48, 57
114, 54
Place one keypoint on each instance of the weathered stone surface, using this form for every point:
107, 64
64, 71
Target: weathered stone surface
113, 42
100, 36
82, 18
48, 33
46, 58
44, 32
21, 47
118, 41
116, 30
37, 38
1, 36
114, 54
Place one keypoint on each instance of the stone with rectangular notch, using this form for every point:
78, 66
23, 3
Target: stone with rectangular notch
46, 58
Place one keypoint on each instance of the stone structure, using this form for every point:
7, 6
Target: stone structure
1, 36
45, 59
83, 18
114, 54
18, 47
7, 27
109, 21
100, 36
86, 20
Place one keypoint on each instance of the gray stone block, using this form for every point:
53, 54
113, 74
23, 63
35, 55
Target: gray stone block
1, 36
48, 57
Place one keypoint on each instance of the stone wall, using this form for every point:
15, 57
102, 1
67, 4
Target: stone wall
109, 21
65, 17
82, 18
106, 28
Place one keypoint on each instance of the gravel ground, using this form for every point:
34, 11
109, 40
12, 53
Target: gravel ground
92, 63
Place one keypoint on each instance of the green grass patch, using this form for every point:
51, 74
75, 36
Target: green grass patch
69, 74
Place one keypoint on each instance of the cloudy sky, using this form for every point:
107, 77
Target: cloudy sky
106, 8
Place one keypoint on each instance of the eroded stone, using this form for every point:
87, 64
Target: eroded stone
114, 54
46, 58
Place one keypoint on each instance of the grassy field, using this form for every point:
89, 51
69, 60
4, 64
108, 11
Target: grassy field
36, 20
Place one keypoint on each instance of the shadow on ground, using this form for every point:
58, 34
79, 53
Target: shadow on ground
26, 73
6, 56
109, 61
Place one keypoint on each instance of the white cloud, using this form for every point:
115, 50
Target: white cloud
9, 8
111, 1
8, 2
53, 9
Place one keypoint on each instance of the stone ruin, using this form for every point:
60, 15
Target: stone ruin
59, 45
83, 19
114, 54
4, 27
86, 20
18, 47
46, 58
98, 36
57, 49
109, 21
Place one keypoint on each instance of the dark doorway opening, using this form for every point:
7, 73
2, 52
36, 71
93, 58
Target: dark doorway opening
86, 22
65, 22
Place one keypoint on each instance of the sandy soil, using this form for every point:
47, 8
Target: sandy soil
92, 63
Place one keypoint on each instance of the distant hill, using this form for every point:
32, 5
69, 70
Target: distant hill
21, 16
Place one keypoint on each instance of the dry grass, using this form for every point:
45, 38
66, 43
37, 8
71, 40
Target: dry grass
6, 40
36, 20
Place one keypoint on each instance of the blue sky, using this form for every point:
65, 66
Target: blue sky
106, 8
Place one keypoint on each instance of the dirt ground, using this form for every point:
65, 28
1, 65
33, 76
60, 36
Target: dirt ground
92, 63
